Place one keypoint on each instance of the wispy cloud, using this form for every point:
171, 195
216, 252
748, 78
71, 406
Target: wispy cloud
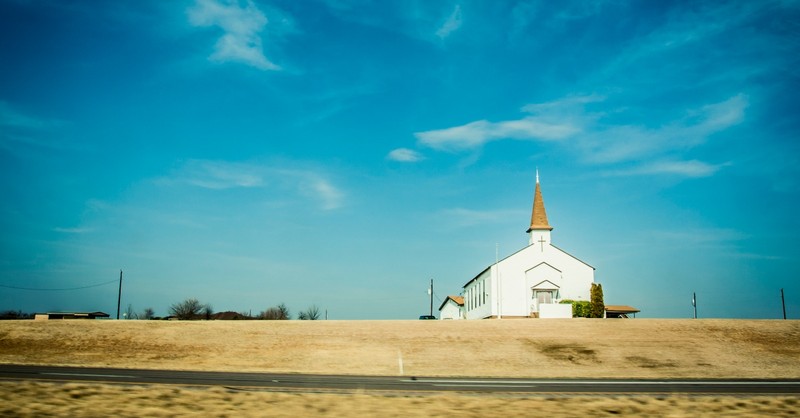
452, 24
241, 24
404, 155
322, 189
10, 118
19, 128
220, 175
701, 235
428, 21
599, 140
725, 241
691, 168
77, 230
547, 121
620, 143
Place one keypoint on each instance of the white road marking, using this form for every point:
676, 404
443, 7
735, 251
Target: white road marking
473, 385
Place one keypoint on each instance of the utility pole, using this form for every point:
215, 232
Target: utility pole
431, 297
694, 304
119, 296
783, 302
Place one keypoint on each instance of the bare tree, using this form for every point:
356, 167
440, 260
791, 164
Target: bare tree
11, 314
188, 309
130, 313
148, 313
310, 314
207, 311
276, 312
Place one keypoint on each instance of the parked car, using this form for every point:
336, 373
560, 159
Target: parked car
427, 317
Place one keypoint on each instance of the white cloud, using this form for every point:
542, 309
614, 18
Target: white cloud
404, 155
242, 25
619, 143
329, 196
548, 121
220, 175
452, 24
476, 134
567, 105
718, 116
653, 150
691, 168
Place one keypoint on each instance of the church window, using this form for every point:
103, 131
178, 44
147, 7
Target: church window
474, 297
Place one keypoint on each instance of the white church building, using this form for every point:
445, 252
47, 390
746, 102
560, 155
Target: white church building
531, 282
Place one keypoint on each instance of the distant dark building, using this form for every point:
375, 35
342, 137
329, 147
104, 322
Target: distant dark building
71, 315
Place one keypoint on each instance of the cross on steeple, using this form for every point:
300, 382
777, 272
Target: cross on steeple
541, 242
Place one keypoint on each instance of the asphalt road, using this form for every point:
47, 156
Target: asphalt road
318, 383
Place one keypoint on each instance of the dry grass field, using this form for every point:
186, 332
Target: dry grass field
640, 348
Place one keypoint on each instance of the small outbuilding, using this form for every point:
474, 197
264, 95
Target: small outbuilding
620, 311
70, 315
452, 308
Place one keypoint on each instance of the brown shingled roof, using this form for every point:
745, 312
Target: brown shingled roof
621, 309
457, 299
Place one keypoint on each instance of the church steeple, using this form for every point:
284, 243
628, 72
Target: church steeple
538, 215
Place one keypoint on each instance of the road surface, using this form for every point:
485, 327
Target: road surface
320, 383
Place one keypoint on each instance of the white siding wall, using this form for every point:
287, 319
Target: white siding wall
555, 311
478, 296
524, 269
517, 274
451, 310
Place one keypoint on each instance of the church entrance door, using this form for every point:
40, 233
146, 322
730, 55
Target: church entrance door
544, 297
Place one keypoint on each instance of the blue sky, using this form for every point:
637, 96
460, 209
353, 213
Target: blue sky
344, 152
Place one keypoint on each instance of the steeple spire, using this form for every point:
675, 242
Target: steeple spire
538, 215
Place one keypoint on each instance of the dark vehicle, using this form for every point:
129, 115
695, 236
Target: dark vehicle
427, 317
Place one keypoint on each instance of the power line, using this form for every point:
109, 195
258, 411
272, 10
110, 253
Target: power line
438, 299
57, 289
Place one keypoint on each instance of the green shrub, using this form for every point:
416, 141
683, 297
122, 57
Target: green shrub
580, 308
597, 308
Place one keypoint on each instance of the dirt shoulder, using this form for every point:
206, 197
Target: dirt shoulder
93, 400
640, 348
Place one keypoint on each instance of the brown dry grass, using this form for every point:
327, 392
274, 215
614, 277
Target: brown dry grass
640, 348
96, 400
